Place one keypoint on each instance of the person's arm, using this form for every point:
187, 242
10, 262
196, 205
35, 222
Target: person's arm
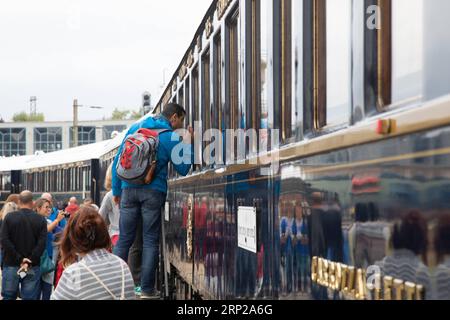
65, 290
52, 226
39, 248
106, 209
171, 141
7, 244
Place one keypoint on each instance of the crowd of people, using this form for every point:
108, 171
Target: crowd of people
44, 248
83, 252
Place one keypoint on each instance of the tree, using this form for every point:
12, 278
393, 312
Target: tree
136, 115
120, 115
126, 114
25, 117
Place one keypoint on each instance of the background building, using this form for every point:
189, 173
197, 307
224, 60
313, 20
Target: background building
27, 138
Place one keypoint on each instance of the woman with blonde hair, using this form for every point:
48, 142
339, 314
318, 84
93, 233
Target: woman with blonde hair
8, 208
13, 198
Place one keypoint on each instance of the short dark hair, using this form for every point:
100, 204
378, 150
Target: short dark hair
26, 197
411, 234
442, 240
173, 108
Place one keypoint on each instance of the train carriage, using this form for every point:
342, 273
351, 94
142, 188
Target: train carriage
350, 103
359, 95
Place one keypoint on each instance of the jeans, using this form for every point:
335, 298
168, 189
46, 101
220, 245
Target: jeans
30, 288
135, 255
46, 290
147, 204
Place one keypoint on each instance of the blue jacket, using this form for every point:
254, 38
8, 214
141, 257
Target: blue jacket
167, 142
53, 217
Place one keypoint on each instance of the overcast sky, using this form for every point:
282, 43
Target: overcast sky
103, 52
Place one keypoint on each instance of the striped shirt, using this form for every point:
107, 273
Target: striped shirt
78, 283
405, 265
442, 281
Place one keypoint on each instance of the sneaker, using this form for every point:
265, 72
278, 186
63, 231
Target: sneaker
153, 296
137, 291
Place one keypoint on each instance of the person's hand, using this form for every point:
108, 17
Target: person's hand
60, 217
26, 263
188, 137
116, 200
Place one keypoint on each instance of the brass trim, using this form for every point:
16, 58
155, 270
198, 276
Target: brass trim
384, 59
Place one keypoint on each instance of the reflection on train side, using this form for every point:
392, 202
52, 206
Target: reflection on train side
366, 232
354, 284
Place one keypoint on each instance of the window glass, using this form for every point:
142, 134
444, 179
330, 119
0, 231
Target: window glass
86, 135
206, 94
407, 47
217, 114
13, 142
108, 130
338, 48
47, 139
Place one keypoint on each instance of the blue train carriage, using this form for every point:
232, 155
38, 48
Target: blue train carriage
357, 208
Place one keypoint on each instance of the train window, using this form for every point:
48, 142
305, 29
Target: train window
260, 30
232, 113
407, 50
286, 69
67, 180
181, 95
206, 89
394, 54
72, 179
88, 178
196, 111
217, 114
59, 180
80, 179
338, 61
287, 112
187, 103
233, 71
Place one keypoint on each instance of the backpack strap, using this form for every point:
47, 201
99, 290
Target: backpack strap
122, 297
158, 131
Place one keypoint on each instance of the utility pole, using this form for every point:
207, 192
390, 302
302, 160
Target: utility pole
33, 103
75, 123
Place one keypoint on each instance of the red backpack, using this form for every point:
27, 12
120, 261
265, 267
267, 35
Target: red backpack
137, 161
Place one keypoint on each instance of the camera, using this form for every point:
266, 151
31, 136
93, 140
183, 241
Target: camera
65, 214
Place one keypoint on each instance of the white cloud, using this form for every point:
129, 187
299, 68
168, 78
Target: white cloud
102, 52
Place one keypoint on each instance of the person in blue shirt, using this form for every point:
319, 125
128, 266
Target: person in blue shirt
55, 212
55, 215
43, 207
147, 201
